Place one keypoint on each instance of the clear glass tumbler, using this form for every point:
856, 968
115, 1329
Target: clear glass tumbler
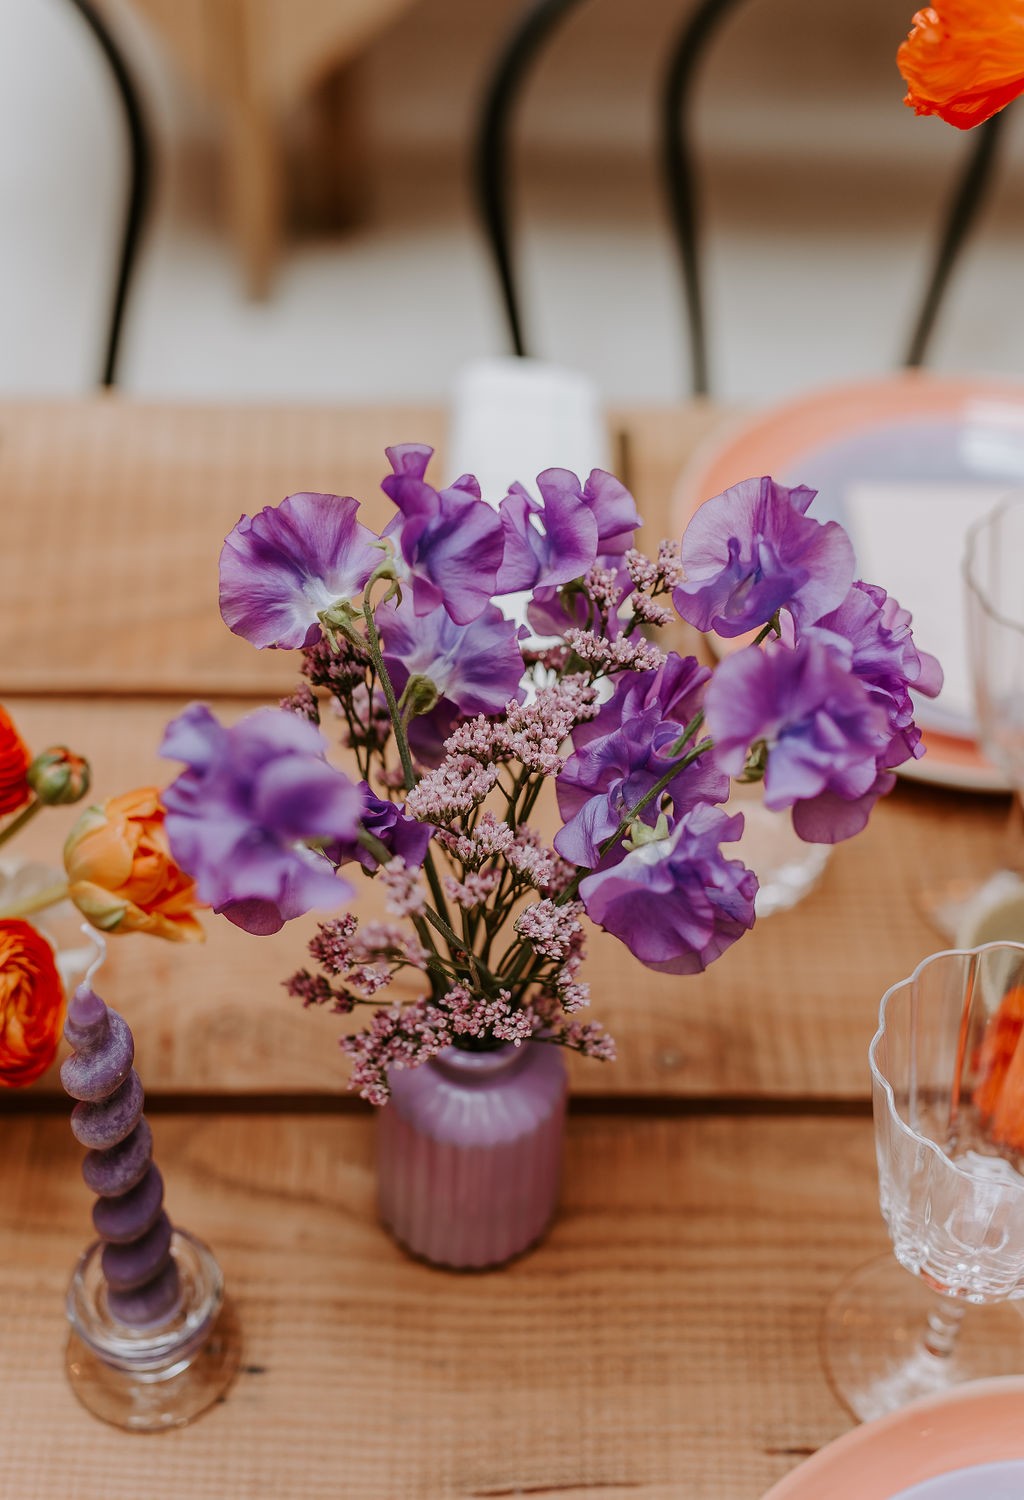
947, 1069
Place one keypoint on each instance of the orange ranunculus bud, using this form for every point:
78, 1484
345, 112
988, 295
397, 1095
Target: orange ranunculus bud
14, 763
31, 1004
58, 776
121, 874
964, 59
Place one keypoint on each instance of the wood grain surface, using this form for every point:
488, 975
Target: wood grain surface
786, 1013
662, 1342
114, 513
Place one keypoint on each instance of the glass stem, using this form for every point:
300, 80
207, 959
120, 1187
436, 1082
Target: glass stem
943, 1330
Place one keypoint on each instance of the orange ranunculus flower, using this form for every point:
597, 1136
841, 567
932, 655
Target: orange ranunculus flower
121, 874
999, 1092
14, 763
964, 59
31, 1004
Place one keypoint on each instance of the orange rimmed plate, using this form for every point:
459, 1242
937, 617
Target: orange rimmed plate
981, 1423
877, 451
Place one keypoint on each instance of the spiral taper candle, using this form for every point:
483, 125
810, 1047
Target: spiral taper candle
143, 1284
152, 1343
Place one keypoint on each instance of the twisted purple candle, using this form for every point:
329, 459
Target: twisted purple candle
142, 1279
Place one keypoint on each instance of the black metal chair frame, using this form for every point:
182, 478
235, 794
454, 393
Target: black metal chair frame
492, 175
140, 181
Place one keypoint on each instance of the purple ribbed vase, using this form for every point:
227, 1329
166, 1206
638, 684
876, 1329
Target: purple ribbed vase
469, 1153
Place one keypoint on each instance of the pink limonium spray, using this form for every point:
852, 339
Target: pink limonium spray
454, 721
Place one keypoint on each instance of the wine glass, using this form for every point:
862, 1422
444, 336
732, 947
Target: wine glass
947, 1069
976, 911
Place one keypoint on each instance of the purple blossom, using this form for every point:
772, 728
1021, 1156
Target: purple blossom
280, 568
677, 686
752, 551
239, 816
402, 836
450, 542
553, 609
826, 735
576, 524
474, 668
676, 902
606, 777
560, 550
885, 658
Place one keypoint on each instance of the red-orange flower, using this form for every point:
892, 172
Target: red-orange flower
999, 1093
31, 1004
121, 874
964, 59
14, 763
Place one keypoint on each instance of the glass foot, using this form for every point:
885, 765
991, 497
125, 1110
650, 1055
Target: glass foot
874, 1340
150, 1379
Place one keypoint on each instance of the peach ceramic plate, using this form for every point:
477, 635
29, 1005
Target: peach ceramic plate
973, 1425
873, 450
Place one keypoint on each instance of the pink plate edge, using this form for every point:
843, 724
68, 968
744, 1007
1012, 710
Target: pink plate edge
921, 1441
843, 408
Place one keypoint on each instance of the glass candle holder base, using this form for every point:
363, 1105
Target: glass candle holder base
154, 1378
888, 1339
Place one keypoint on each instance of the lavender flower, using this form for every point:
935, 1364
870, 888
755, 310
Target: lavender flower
752, 551
280, 569
468, 669
450, 543
827, 736
239, 816
677, 903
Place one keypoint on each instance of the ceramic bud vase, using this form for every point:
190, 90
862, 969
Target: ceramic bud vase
469, 1153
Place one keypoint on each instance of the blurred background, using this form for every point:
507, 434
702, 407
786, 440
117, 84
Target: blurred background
821, 196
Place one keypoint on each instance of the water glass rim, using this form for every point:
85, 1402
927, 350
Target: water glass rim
973, 536
879, 1077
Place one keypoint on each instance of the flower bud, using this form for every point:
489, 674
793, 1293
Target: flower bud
419, 697
58, 776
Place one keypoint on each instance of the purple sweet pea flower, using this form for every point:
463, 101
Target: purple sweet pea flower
475, 668
553, 610
606, 777
677, 687
562, 551
578, 522
826, 735
402, 836
677, 903
885, 658
752, 551
239, 816
280, 568
449, 542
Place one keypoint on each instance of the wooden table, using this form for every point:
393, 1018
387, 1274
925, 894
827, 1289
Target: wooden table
719, 1178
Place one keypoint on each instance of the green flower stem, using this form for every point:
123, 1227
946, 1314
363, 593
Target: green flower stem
376, 656
17, 824
405, 756
49, 896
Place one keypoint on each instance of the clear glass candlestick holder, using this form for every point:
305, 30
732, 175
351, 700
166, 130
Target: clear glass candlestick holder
947, 1070
148, 1379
